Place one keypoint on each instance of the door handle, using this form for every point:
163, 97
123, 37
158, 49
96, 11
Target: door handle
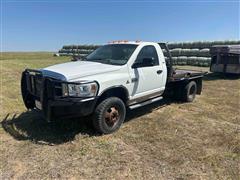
159, 71
134, 80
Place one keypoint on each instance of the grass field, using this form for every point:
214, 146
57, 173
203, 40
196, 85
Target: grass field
164, 140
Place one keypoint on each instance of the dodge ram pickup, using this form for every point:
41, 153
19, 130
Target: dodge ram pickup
114, 77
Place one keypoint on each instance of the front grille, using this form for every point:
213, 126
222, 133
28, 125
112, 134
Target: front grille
58, 89
34, 83
38, 85
42, 87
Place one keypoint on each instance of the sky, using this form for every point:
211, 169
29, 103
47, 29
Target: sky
47, 25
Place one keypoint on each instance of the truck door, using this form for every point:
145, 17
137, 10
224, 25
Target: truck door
147, 80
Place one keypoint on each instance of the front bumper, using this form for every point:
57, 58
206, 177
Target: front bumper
69, 107
48, 92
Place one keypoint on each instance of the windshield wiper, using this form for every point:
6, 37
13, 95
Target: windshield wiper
104, 61
99, 60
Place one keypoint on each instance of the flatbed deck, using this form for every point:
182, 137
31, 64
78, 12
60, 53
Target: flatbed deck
183, 74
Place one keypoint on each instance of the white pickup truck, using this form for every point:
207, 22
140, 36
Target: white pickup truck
114, 77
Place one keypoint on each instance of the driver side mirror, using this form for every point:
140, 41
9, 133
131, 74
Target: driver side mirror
146, 62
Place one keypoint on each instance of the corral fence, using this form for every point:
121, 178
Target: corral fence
183, 53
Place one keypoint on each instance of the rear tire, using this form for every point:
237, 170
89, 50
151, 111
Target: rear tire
109, 115
189, 92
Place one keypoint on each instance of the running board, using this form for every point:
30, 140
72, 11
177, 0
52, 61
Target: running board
134, 106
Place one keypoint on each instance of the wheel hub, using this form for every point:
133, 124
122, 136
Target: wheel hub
111, 116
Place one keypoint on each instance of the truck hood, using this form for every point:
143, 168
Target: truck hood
74, 70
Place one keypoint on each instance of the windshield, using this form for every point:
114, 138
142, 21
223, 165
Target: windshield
115, 54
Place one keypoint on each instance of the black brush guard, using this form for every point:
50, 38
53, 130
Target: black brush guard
35, 87
48, 91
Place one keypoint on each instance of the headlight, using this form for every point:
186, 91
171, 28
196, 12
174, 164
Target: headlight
80, 90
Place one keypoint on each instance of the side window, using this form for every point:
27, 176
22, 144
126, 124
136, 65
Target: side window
148, 52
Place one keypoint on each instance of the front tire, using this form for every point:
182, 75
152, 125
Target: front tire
109, 115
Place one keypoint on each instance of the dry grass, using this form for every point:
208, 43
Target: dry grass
165, 140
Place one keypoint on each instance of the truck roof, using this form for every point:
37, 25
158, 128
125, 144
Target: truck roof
138, 42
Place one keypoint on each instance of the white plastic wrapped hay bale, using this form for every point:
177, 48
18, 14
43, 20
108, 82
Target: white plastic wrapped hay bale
204, 61
173, 45
204, 52
192, 60
64, 52
74, 50
220, 42
85, 51
232, 42
67, 47
201, 44
74, 46
199, 61
205, 44
185, 52
82, 55
60, 51
89, 47
227, 42
176, 52
186, 45
182, 60
84, 47
174, 59
194, 52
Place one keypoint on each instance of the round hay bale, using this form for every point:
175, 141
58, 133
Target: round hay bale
74, 46
191, 60
174, 59
194, 52
82, 55
232, 42
67, 47
60, 51
219, 43
172, 45
205, 44
182, 60
176, 51
187, 45
87, 47
74, 50
85, 51
185, 52
204, 52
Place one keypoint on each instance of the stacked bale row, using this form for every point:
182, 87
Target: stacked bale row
80, 50
183, 53
194, 53
200, 44
195, 57
190, 52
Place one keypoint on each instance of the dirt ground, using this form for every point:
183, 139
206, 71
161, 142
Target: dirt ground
164, 140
